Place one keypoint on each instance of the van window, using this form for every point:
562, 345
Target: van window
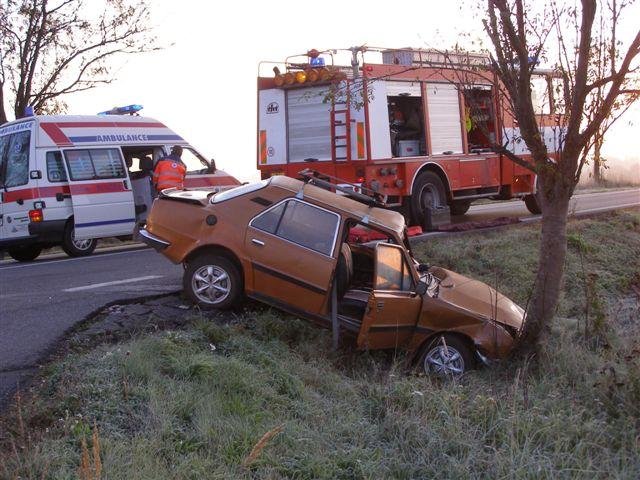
16, 158
55, 167
301, 223
95, 164
194, 161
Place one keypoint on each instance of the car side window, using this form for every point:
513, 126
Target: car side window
55, 168
301, 223
270, 219
392, 271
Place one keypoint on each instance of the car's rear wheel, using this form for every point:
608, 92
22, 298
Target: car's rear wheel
25, 253
447, 357
74, 247
212, 281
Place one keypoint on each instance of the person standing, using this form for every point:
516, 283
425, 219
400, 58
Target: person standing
170, 171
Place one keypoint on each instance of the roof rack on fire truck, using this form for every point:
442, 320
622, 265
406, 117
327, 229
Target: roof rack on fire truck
335, 184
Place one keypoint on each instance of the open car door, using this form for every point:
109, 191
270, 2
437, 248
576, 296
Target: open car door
393, 307
101, 193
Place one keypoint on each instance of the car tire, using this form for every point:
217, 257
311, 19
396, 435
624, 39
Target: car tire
76, 248
212, 281
532, 203
449, 363
460, 207
428, 192
25, 253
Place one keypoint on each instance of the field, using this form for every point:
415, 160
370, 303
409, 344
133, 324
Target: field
259, 394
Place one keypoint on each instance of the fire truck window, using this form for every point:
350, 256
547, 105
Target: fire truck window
479, 120
540, 95
55, 168
406, 126
17, 159
194, 161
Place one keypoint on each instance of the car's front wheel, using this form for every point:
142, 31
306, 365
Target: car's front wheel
447, 357
212, 281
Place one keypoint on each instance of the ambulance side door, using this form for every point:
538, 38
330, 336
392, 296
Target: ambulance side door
101, 193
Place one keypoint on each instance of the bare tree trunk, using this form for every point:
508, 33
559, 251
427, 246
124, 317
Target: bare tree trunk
3, 113
597, 159
549, 280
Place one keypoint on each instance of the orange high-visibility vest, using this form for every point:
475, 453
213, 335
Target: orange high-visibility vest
169, 174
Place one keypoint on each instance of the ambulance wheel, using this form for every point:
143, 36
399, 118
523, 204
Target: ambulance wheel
428, 192
77, 248
26, 253
212, 281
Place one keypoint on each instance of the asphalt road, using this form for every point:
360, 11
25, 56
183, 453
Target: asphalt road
41, 300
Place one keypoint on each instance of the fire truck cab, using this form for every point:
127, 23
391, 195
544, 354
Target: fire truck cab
415, 125
69, 180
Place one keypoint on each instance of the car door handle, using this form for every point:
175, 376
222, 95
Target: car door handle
258, 242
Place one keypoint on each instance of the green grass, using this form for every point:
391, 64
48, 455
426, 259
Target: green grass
193, 403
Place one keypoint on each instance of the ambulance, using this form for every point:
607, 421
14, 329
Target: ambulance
70, 180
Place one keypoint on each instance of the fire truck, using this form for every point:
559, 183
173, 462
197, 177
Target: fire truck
417, 126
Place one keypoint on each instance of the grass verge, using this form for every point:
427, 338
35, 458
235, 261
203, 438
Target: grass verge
259, 394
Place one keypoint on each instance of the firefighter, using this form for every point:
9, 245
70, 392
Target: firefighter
170, 171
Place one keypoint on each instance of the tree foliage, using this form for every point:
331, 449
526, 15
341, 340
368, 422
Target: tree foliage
51, 48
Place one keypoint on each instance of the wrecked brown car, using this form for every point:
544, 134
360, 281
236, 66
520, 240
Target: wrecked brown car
287, 243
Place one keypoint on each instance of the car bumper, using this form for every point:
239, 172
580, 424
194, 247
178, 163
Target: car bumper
153, 241
49, 232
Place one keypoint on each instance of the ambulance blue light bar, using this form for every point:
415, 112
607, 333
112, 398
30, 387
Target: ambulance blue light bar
126, 110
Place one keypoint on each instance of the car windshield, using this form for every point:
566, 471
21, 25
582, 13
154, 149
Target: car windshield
237, 191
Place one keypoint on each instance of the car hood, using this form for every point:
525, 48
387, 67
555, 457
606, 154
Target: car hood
478, 298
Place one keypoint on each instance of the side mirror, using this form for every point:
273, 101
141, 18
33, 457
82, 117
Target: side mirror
421, 288
212, 166
423, 267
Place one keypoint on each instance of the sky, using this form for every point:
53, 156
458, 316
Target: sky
203, 84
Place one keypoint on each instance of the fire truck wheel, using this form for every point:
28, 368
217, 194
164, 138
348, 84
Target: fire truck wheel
26, 253
531, 201
428, 192
76, 248
212, 281
459, 207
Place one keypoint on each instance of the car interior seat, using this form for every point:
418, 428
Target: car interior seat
344, 270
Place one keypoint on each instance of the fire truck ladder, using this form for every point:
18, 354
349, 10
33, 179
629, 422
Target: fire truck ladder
340, 130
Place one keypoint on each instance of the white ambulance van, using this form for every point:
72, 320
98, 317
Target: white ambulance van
69, 180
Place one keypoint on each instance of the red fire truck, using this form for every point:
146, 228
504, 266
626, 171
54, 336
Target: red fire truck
417, 127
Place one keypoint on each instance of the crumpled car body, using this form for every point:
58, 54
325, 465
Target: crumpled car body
285, 242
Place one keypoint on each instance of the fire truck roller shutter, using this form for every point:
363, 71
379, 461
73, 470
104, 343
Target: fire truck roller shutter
444, 118
272, 129
309, 119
